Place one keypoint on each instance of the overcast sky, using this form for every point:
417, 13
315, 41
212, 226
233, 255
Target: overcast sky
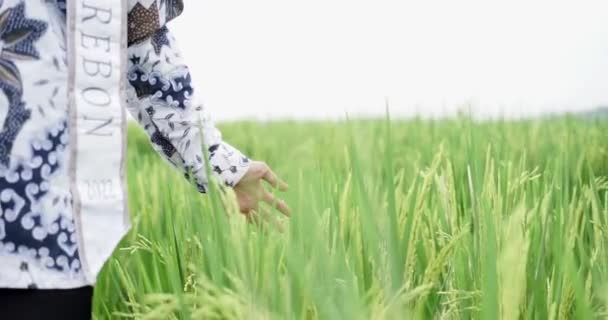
323, 58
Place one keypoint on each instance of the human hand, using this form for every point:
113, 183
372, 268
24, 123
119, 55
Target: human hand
250, 191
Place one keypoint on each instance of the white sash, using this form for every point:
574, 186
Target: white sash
97, 36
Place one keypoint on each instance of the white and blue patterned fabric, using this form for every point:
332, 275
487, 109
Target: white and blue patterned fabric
38, 245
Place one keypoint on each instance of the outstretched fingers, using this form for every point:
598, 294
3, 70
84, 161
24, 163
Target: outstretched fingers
270, 177
277, 203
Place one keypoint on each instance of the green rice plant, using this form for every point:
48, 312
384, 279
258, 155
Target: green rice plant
416, 219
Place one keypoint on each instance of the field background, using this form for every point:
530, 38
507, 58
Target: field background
448, 219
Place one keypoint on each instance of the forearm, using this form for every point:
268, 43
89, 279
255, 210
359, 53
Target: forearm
162, 98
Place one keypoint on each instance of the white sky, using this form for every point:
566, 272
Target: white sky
323, 58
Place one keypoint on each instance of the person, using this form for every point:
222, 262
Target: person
42, 240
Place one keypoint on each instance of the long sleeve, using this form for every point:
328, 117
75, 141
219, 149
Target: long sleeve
162, 99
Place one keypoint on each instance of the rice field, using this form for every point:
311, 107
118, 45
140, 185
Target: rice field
416, 219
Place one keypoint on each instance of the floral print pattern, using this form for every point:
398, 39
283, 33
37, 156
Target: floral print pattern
17, 37
38, 247
147, 16
161, 97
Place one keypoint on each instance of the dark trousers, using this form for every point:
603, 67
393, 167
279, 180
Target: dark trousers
29, 304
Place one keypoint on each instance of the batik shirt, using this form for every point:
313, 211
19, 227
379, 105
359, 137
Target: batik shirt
38, 245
